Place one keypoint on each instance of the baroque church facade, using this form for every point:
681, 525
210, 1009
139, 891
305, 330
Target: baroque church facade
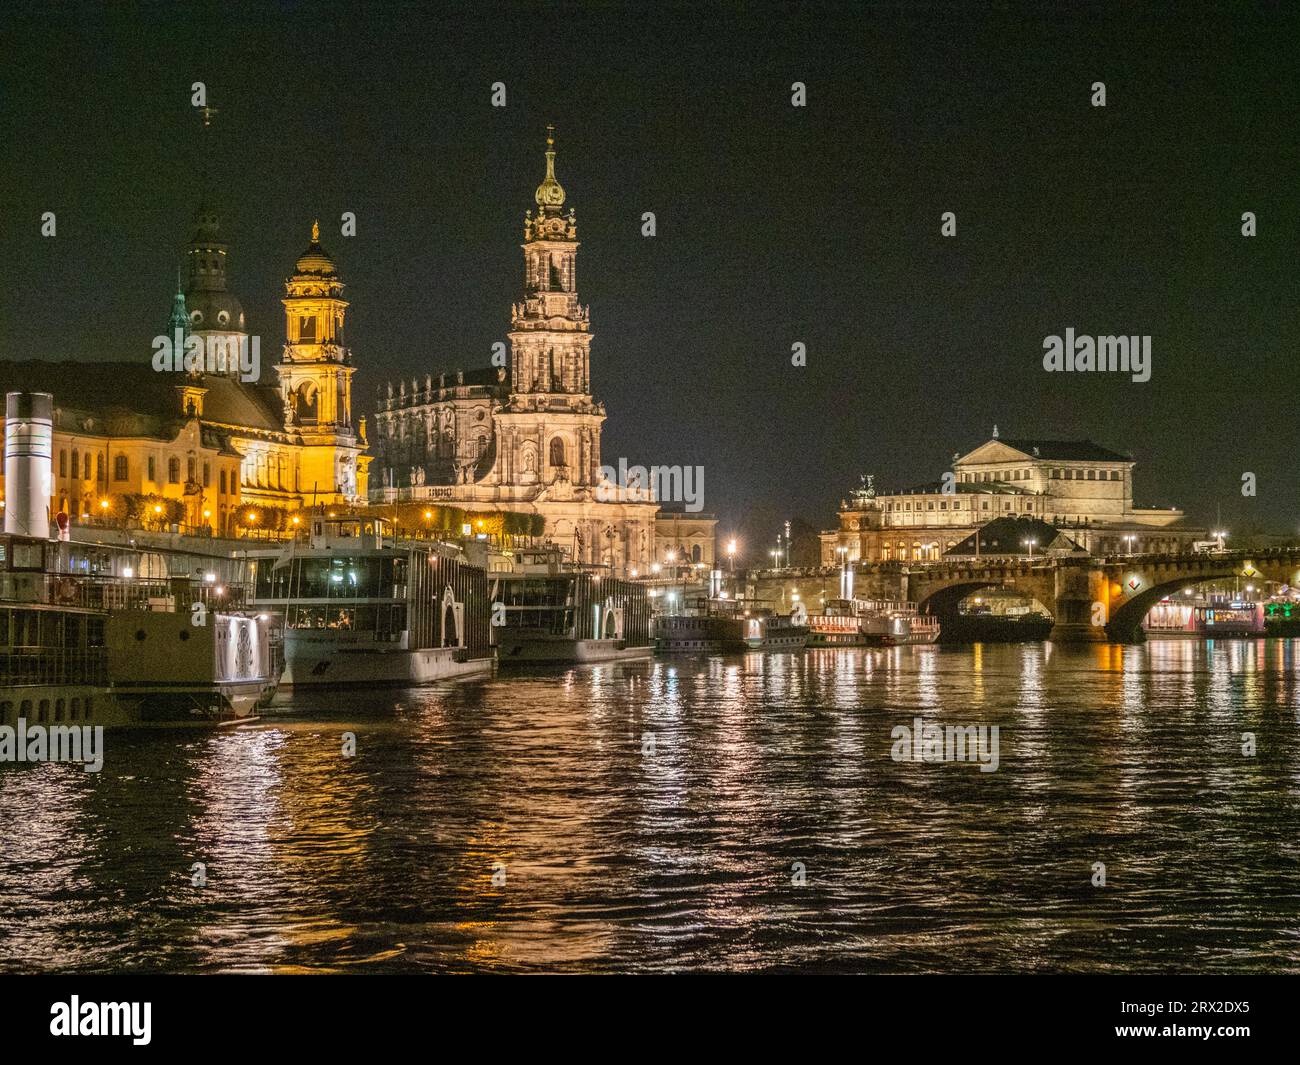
218, 449
526, 438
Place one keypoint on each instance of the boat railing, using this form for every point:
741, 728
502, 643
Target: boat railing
119, 593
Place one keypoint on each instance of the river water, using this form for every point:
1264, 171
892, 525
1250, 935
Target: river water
726, 813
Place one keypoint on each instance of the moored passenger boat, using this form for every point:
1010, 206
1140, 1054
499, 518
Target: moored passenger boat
715, 626
97, 644
359, 609
865, 622
897, 623
558, 612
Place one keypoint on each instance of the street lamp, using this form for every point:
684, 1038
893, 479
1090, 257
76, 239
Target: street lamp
731, 554
1030, 543
1129, 540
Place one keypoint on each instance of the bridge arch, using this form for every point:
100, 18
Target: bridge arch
942, 602
1125, 622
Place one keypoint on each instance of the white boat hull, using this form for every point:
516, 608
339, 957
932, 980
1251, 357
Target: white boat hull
527, 648
310, 661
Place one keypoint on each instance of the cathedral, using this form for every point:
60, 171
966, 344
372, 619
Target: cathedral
526, 438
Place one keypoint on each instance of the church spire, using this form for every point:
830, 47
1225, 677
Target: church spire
550, 193
180, 319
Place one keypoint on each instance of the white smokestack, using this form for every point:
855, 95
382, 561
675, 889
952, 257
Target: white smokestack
29, 470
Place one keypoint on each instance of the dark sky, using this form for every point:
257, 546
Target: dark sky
775, 224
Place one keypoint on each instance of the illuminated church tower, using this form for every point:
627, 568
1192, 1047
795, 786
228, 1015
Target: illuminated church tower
549, 429
316, 379
215, 312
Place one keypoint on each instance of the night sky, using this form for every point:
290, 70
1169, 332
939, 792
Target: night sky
775, 224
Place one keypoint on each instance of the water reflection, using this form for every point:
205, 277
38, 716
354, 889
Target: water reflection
658, 816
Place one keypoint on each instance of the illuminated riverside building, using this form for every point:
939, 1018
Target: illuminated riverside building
208, 450
1078, 487
526, 438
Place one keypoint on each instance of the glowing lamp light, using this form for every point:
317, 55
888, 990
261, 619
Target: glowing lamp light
157, 509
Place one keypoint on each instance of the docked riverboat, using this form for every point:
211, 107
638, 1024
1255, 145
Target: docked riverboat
719, 626
84, 638
558, 612
358, 608
870, 622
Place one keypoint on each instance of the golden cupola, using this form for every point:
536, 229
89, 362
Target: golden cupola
550, 193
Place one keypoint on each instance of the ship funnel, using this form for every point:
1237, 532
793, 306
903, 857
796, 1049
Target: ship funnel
29, 472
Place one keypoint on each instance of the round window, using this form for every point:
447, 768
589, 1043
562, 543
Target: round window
223, 317
196, 317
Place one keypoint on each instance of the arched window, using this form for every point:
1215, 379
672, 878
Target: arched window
120, 470
695, 552
191, 471
557, 452
307, 405
85, 471
63, 463
76, 463
173, 470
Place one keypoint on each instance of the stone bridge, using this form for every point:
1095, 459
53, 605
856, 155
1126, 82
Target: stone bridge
1103, 598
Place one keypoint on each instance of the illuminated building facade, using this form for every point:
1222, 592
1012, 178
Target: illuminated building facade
526, 438
1076, 486
212, 450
